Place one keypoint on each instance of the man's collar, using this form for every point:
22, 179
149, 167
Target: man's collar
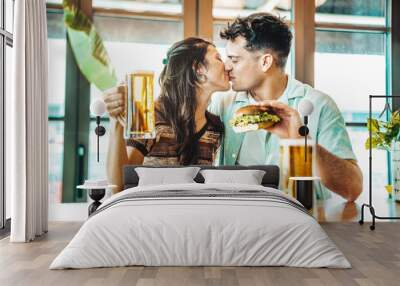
290, 89
242, 96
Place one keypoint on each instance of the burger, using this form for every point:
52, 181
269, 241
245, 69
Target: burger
253, 117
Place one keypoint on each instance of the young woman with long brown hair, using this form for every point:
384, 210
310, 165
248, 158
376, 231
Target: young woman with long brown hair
186, 133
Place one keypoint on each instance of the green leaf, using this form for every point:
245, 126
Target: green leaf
87, 46
373, 125
395, 131
375, 142
395, 117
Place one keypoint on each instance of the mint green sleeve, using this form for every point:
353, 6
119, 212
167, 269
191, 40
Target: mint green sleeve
332, 133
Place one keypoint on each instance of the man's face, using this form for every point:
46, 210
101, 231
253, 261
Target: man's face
243, 66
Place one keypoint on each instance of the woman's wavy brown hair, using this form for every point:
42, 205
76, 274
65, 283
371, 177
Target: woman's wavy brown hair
177, 100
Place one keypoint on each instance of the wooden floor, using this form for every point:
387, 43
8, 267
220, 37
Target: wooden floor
374, 255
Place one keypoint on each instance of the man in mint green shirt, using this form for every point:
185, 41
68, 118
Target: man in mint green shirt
257, 50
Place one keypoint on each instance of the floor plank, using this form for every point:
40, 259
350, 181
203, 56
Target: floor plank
374, 255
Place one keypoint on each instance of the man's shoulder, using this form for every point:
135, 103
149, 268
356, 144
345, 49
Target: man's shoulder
319, 98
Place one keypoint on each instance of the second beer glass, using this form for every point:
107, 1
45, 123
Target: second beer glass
139, 106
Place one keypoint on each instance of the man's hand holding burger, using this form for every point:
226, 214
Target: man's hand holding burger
283, 121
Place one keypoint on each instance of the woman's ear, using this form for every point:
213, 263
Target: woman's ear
266, 62
202, 78
201, 73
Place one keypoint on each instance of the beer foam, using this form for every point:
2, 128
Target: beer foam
304, 178
141, 73
295, 142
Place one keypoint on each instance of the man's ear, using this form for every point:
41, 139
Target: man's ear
266, 62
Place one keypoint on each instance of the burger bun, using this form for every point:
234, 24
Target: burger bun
252, 127
251, 109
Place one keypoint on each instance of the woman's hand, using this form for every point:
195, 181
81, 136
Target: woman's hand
114, 98
290, 122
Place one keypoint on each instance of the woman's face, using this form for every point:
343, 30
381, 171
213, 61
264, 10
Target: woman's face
217, 79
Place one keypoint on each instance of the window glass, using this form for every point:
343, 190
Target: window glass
355, 12
160, 6
56, 149
57, 46
358, 136
350, 66
97, 169
230, 9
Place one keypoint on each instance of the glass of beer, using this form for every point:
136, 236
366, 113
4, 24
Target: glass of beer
139, 106
296, 160
303, 191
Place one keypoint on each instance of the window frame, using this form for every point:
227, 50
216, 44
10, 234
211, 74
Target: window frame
198, 20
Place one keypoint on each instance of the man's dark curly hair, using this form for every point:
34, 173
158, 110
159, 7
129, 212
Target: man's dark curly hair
262, 31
